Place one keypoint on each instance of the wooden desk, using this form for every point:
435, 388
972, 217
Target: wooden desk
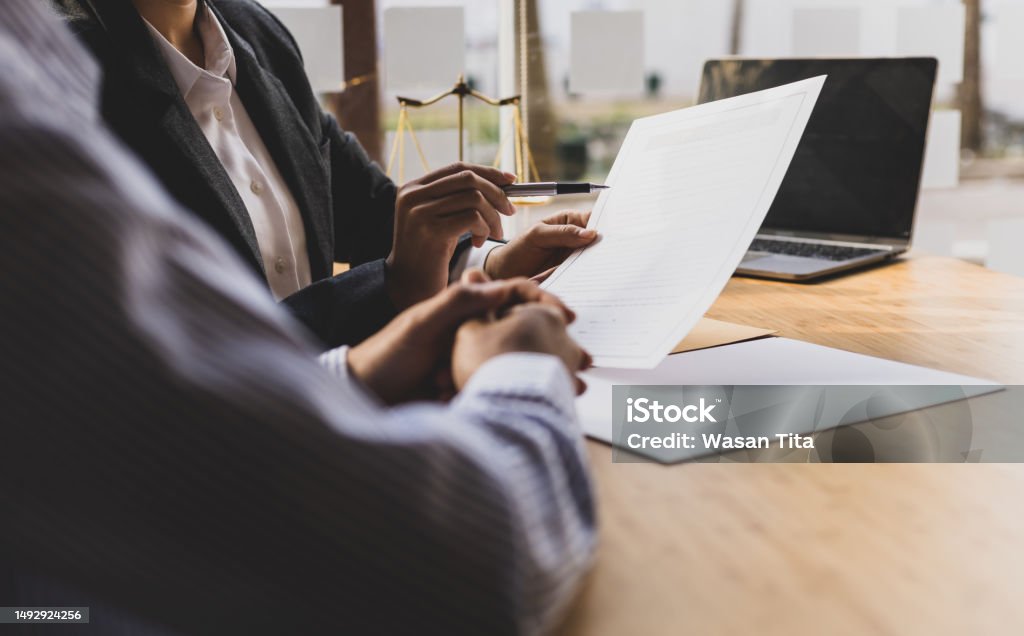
829, 549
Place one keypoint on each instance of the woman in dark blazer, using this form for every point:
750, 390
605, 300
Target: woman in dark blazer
341, 206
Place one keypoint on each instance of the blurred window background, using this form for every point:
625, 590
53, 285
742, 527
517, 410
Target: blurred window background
974, 183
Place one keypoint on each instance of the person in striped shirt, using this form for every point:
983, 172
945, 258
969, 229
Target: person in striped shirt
175, 456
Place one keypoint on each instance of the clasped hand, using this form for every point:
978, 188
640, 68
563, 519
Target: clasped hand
432, 349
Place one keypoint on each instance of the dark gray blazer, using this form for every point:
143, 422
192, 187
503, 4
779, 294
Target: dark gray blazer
346, 201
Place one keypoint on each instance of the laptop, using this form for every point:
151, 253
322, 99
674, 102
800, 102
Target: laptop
850, 195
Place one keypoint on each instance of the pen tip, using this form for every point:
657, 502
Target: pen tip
601, 187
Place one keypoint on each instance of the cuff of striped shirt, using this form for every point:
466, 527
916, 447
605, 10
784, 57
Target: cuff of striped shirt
336, 362
473, 257
535, 377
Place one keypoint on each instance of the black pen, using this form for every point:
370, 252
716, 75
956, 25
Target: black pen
550, 189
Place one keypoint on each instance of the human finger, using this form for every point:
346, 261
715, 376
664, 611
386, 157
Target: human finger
465, 181
457, 203
493, 175
568, 217
459, 223
559, 236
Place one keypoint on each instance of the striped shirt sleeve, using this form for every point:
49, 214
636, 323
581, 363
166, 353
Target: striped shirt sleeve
172, 451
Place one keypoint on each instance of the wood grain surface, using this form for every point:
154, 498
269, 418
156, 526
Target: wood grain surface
828, 549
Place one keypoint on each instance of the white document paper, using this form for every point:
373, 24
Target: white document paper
606, 55
689, 190
769, 361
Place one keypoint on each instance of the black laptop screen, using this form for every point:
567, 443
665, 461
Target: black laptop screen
858, 166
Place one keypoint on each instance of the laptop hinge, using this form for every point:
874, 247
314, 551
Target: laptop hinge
817, 241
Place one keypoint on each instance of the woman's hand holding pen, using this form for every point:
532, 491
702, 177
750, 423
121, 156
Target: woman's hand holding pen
431, 213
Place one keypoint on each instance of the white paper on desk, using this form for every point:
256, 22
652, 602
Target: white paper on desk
769, 361
689, 190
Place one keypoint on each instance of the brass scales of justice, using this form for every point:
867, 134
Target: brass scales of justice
526, 168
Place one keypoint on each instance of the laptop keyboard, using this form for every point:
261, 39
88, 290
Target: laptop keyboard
812, 250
